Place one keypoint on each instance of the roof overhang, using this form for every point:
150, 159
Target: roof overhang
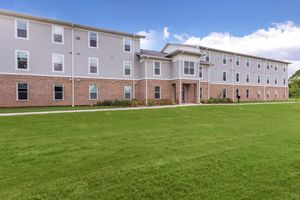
174, 53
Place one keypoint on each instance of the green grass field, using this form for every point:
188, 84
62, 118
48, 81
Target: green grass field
205, 152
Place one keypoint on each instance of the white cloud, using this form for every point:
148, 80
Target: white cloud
152, 39
166, 33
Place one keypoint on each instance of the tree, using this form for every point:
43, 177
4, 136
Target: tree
294, 88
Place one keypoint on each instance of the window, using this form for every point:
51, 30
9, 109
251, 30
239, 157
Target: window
201, 93
93, 65
237, 61
268, 79
200, 72
93, 40
275, 80
259, 94
127, 92
58, 34
237, 93
258, 64
247, 93
157, 92
58, 91
22, 29
58, 62
268, 65
237, 77
247, 78
22, 60
268, 93
156, 68
258, 79
224, 59
93, 91
224, 76
127, 68
276, 94
189, 68
127, 43
247, 62
284, 81
22, 91
224, 93
275, 68
207, 56
284, 69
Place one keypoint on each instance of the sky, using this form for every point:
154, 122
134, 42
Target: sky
263, 28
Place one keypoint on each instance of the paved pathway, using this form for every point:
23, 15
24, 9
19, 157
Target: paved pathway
133, 108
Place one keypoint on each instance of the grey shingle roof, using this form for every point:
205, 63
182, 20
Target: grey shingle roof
153, 53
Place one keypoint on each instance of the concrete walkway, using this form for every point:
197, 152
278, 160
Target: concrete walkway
134, 108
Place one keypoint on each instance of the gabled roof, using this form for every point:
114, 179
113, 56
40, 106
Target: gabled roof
223, 51
64, 23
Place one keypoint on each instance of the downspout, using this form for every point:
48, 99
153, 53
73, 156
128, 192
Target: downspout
133, 64
199, 84
233, 78
180, 86
265, 79
73, 67
146, 80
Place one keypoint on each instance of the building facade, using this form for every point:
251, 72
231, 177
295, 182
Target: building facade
48, 62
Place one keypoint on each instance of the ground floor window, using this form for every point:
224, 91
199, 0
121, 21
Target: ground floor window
268, 94
224, 93
201, 93
58, 91
259, 94
276, 94
237, 93
22, 91
157, 92
247, 93
127, 92
93, 91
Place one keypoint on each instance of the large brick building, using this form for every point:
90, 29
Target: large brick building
49, 62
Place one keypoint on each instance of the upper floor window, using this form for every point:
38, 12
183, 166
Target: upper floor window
58, 34
157, 92
156, 68
258, 64
224, 76
127, 68
237, 61
127, 92
207, 56
284, 69
127, 43
258, 79
247, 78
275, 80
224, 59
93, 39
247, 62
22, 60
58, 91
237, 77
189, 68
93, 92
22, 91
268, 79
200, 72
268, 65
275, 67
58, 62
93, 65
284, 81
22, 29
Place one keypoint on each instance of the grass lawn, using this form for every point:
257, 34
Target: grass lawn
205, 152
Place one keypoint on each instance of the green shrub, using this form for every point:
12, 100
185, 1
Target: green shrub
165, 102
218, 100
120, 103
151, 102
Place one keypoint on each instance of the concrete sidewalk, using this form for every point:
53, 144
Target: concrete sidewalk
134, 108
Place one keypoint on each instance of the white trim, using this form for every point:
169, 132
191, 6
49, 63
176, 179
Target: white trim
207, 54
260, 64
239, 77
154, 68
63, 63
124, 38
224, 56
248, 75
237, 58
16, 60
89, 37
275, 80
89, 65
17, 91
268, 79
94, 84
63, 92
200, 66
223, 77
63, 34
258, 75
130, 92
248, 61
16, 29
124, 64
226, 96
159, 92
184, 74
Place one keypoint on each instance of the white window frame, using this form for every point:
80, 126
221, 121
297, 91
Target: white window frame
200, 70
237, 74
124, 65
284, 81
268, 94
16, 60
268, 79
268, 64
259, 94
207, 55
248, 62
89, 65
124, 42
154, 68
247, 75
275, 80
259, 78
275, 94
63, 92
89, 38
17, 91
159, 92
224, 89
224, 56
16, 29
189, 67
259, 63
275, 67
130, 92
93, 84
237, 58
63, 63
225, 76
249, 94
63, 35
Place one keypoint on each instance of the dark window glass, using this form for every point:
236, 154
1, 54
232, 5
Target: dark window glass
157, 68
200, 72
93, 39
58, 38
157, 92
22, 58
22, 91
21, 29
58, 92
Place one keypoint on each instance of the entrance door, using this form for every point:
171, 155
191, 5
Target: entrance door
184, 93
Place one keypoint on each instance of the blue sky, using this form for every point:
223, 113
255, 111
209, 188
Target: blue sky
223, 24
